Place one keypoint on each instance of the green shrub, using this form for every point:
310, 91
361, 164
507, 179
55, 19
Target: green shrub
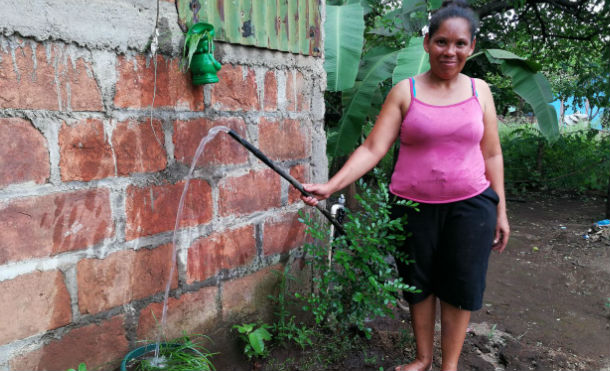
362, 283
576, 162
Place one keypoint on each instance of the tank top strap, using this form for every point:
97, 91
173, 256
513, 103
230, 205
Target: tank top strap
412, 83
474, 89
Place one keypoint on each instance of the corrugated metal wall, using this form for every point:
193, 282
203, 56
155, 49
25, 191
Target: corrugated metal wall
287, 25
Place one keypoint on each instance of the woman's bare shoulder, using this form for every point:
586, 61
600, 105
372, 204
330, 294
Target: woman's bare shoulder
402, 85
400, 95
481, 85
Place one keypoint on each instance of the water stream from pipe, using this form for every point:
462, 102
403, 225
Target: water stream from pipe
204, 141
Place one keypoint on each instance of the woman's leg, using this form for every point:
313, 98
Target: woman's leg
454, 323
423, 315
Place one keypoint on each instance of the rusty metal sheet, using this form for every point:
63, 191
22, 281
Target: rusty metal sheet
287, 25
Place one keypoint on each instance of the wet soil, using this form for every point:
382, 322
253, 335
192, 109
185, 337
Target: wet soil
545, 307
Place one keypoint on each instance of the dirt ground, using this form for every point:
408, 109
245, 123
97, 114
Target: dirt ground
547, 293
545, 307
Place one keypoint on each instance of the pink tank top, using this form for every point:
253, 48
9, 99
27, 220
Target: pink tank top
440, 158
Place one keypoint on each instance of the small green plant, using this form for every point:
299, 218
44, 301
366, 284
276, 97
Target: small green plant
81, 367
369, 359
362, 283
406, 338
285, 328
185, 353
607, 304
492, 331
254, 337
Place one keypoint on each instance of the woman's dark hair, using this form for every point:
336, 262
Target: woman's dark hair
453, 9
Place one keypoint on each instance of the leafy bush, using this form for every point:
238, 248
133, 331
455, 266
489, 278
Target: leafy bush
361, 283
576, 162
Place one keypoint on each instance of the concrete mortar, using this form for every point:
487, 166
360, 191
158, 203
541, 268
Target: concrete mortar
104, 68
112, 24
50, 129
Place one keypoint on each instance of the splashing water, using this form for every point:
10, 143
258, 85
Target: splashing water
204, 141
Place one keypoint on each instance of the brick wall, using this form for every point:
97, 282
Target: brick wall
90, 184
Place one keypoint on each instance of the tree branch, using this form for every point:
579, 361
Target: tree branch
494, 7
501, 6
542, 24
570, 37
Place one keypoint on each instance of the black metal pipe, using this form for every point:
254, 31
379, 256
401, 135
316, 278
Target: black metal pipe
295, 183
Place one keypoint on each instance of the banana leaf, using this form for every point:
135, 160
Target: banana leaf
435, 4
532, 86
359, 103
344, 29
412, 60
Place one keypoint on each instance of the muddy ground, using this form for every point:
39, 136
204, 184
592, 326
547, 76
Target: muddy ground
545, 308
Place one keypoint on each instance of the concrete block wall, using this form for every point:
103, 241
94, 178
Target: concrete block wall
90, 179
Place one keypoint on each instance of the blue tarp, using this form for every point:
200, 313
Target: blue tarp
571, 108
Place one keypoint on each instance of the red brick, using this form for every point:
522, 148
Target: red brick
78, 86
208, 255
193, 312
284, 235
135, 84
23, 155
270, 103
99, 345
300, 173
255, 191
221, 150
85, 153
283, 140
138, 147
47, 225
33, 303
303, 96
235, 92
291, 100
122, 277
153, 210
30, 80
248, 295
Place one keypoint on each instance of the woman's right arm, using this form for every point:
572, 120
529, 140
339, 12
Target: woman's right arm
376, 145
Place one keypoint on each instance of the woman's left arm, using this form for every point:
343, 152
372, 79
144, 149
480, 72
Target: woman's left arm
494, 165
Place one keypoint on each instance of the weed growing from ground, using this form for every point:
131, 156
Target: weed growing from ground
255, 338
285, 328
81, 367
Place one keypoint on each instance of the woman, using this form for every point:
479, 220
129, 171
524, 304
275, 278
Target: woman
450, 161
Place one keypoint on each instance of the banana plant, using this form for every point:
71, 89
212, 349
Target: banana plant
361, 98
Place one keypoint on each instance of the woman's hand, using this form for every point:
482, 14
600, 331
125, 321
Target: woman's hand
318, 192
502, 232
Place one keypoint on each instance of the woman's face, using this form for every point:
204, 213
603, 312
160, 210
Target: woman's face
449, 47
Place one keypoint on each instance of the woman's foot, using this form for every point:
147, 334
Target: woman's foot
416, 365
